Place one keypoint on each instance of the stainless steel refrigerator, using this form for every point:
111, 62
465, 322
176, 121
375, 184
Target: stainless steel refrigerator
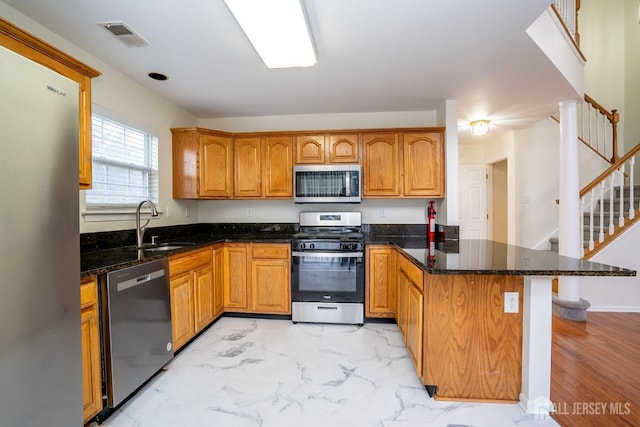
40, 354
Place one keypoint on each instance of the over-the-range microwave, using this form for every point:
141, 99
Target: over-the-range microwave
327, 183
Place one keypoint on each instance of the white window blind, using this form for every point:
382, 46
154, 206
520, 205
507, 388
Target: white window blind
125, 165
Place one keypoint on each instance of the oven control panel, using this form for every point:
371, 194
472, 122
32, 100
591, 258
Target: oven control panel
328, 245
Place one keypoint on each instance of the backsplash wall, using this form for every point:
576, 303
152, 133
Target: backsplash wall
374, 211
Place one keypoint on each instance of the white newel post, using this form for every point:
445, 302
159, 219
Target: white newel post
569, 232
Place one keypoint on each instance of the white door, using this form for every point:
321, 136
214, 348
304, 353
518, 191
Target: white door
473, 201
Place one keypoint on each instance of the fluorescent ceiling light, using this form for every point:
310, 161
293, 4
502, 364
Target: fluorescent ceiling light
278, 31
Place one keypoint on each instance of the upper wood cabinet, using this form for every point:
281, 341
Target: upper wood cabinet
406, 164
39, 51
423, 154
327, 149
381, 167
202, 164
277, 166
263, 167
247, 154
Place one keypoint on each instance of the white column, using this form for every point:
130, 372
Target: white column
535, 396
569, 232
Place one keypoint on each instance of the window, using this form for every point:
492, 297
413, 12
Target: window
125, 165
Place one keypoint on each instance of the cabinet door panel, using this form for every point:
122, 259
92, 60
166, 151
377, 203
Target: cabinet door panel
218, 281
310, 149
215, 167
381, 167
414, 326
344, 149
423, 155
182, 321
247, 156
277, 170
203, 282
381, 282
270, 289
235, 277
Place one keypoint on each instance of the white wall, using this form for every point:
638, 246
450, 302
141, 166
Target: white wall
374, 211
631, 108
129, 100
616, 293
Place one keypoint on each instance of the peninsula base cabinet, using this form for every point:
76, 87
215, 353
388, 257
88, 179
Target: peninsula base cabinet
411, 308
90, 338
472, 348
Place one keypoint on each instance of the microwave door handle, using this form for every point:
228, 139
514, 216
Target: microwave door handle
348, 184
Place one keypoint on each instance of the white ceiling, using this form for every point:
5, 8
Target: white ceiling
373, 55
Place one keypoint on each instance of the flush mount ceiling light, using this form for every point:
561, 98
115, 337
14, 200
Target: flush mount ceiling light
278, 31
479, 127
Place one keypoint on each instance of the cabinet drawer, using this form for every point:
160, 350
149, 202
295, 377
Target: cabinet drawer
269, 251
189, 261
88, 292
413, 272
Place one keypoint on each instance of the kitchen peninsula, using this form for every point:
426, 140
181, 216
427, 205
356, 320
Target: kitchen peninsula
467, 338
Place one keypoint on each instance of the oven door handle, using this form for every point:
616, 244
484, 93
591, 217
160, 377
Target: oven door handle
328, 254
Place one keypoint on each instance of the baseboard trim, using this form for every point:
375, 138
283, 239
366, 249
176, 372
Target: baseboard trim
615, 308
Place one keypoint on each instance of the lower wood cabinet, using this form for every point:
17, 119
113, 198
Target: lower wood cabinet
193, 288
410, 309
90, 339
257, 278
380, 292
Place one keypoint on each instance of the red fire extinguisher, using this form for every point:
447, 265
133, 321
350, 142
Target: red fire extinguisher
431, 224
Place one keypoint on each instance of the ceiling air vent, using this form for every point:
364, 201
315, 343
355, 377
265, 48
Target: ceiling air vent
125, 34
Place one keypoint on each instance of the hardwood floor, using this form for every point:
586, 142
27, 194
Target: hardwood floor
595, 370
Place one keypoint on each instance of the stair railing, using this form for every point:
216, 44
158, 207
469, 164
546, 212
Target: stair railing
598, 128
620, 208
567, 10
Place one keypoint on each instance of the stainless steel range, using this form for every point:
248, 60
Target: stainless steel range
327, 281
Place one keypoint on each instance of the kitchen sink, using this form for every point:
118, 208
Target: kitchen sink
161, 247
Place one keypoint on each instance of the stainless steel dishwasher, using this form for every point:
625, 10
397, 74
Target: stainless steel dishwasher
138, 327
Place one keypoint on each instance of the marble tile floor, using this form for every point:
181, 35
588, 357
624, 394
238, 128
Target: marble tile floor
245, 372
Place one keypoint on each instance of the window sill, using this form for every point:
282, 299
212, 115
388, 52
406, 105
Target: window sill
111, 214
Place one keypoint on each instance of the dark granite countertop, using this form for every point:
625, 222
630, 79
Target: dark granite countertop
489, 257
108, 251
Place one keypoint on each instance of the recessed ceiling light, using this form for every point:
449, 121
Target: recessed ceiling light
158, 76
278, 31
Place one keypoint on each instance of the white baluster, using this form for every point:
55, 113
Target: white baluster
621, 217
611, 194
632, 207
591, 219
601, 203
582, 226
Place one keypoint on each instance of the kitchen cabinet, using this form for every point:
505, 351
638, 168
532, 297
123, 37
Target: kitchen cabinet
202, 164
404, 164
380, 291
472, 349
191, 283
257, 278
277, 166
90, 339
332, 148
381, 170
218, 280
235, 277
247, 154
37, 50
423, 161
410, 308
271, 278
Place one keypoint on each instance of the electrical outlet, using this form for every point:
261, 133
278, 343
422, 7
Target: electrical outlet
511, 302
168, 212
249, 211
187, 212
382, 212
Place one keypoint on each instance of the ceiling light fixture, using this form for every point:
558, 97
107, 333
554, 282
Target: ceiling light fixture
479, 127
278, 31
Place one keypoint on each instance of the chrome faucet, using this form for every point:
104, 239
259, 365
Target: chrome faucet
141, 229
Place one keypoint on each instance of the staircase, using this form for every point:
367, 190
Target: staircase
609, 220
